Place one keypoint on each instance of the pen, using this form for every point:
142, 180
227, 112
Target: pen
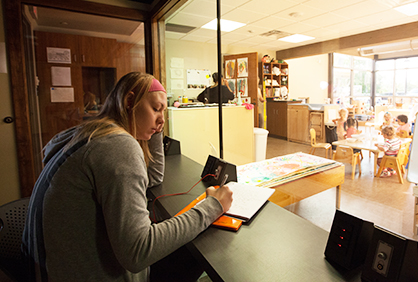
223, 181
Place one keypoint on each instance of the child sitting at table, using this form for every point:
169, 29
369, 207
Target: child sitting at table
390, 147
352, 126
387, 120
403, 126
340, 123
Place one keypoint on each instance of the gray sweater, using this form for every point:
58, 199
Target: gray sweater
92, 212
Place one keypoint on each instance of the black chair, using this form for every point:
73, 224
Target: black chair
12, 223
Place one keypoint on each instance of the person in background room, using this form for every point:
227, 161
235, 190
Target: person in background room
387, 120
352, 129
260, 102
340, 123
390, 147
403, 126
87, 218
90, 103
210, 94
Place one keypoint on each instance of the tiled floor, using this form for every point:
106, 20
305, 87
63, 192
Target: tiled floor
383, 201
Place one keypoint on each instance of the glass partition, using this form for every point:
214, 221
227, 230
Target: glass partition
76, 59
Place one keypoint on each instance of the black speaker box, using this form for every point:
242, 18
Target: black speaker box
348, 240
171, 146
219, 168
390, 258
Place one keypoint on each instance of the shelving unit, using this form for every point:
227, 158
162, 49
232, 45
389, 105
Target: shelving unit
276, 76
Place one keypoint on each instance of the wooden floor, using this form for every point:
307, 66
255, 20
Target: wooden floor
383, 201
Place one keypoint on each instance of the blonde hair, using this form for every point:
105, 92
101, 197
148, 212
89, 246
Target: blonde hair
342, 112
388, 131
117, 114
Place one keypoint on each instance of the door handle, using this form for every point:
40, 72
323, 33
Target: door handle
8, 120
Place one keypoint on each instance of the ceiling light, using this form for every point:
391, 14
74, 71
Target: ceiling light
410, 45
226, 25
296, 38
408, 9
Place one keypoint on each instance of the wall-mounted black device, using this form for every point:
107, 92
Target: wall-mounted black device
171, 146
348, 240
391, 257
219, 168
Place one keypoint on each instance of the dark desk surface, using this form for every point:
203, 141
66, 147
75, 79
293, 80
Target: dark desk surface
276, 245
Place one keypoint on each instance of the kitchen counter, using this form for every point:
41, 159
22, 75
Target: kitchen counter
197, 130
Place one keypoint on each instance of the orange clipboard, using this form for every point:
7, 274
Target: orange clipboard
224, 222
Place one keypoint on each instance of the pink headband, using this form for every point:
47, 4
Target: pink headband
156, 86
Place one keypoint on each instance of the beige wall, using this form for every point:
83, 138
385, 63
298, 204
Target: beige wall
199, 56
9, 187
305, 76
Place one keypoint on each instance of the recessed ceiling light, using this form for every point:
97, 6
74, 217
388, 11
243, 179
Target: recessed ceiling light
226, 25
408, 9
296, 38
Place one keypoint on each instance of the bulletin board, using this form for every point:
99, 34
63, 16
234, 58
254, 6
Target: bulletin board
241, 71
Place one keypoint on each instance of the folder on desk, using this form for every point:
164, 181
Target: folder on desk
248, 199
224, 222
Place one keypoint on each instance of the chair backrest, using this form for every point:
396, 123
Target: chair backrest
403, 153
403, 134
313, 136
343, 154
12, 223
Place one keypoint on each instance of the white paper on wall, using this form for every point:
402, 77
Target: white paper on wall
62, 94
58, 55
177, 63
177, 84
176, 73
61, 76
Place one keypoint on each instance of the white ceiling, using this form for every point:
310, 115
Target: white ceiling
322, 19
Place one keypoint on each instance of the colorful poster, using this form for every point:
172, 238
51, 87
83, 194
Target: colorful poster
231, 84
271, 172
242, 86
242, 67
230, 69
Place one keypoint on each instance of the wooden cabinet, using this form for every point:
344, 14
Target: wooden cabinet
316, 121
276, 78
277, 117
298, 124
85, 50
96, 51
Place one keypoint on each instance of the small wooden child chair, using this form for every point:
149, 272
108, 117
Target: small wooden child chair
314, 145
397, 162
346, 154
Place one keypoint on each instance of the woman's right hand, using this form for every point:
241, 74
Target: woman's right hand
223, 195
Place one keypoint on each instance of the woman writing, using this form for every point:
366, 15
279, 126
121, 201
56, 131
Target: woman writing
87, 218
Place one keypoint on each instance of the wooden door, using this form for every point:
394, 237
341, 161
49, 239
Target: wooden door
271, 117
303, 121
292, 126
